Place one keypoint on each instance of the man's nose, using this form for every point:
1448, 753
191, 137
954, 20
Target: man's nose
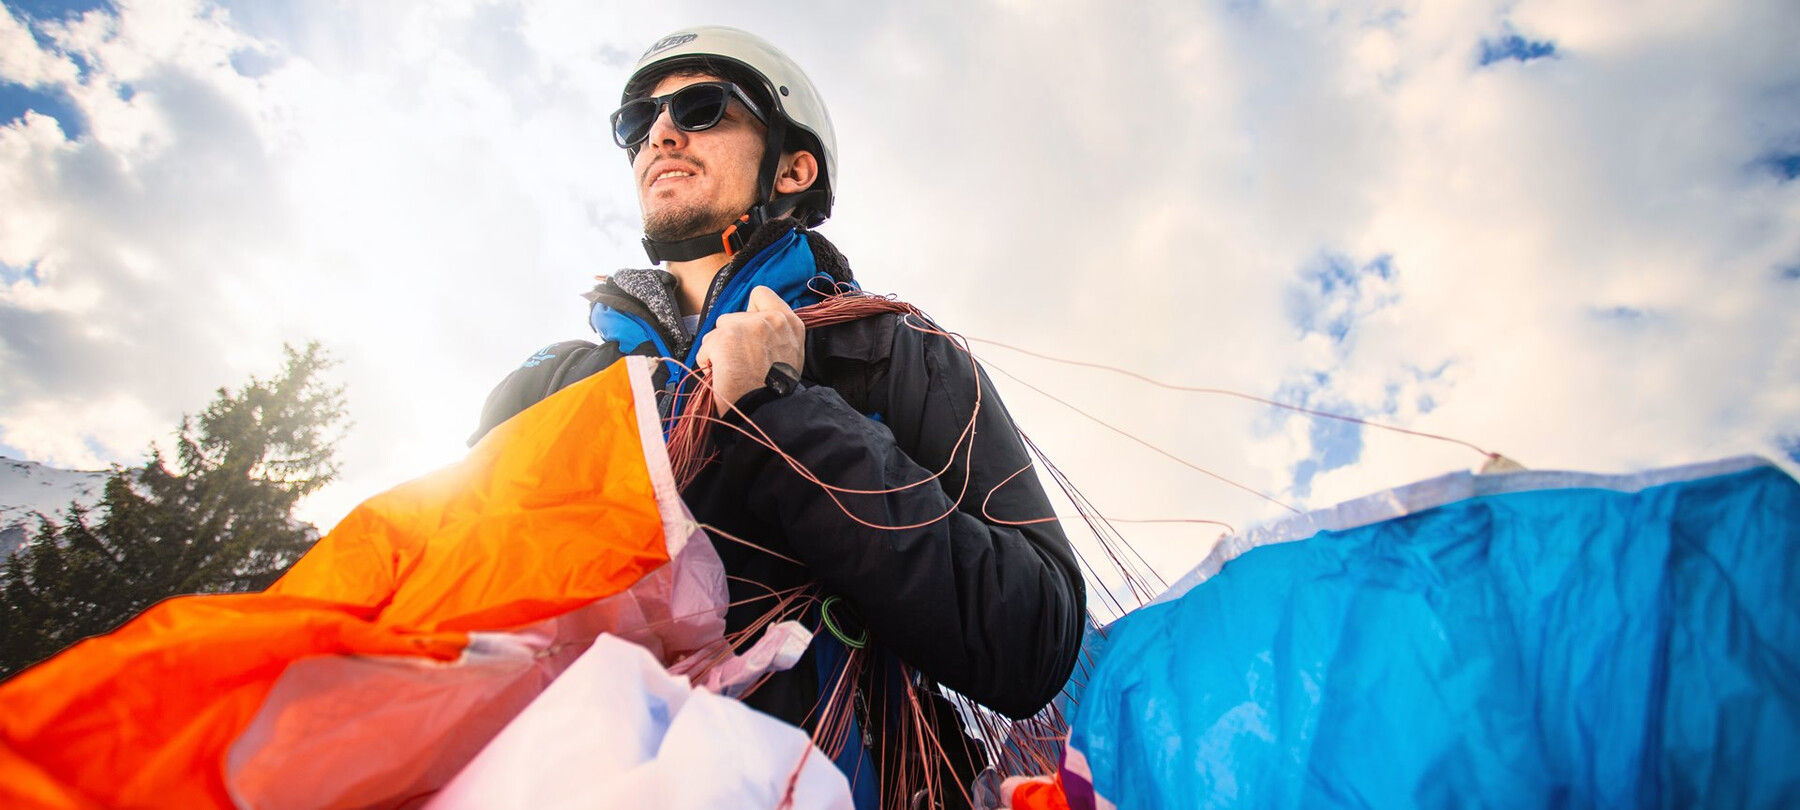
664, 133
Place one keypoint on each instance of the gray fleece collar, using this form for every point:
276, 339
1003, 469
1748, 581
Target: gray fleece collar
655, 289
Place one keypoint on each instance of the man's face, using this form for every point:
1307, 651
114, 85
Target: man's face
694, 183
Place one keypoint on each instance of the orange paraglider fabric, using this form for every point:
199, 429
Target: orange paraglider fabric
1037, 794
552, 511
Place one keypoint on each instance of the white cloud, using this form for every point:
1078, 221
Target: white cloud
112, 421
1585, 260
23, 62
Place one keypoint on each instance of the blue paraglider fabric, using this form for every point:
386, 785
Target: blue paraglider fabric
1561, 640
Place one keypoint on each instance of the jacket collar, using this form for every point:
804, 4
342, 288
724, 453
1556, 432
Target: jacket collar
785, 259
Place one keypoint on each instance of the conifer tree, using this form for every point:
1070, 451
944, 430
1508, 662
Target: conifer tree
218, 521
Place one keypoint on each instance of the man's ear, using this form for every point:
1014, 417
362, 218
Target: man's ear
798, 171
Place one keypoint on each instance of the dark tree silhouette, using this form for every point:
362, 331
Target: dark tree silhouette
219, 521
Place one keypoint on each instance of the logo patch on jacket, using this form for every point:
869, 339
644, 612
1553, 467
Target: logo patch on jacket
536, 359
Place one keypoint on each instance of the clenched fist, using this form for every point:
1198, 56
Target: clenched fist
742, 346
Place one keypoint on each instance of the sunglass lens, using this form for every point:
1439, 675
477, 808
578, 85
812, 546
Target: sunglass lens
631, 124
698, 107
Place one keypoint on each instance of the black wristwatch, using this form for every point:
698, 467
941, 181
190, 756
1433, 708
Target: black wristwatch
782, 379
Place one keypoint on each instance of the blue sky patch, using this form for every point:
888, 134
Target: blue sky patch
1784, 165
1332, 296
82, 66
1425, 402
16, 99
10, 274
1333, 273
1515, 48
1335, 444
1788, 273
55, 9
1332, 293
253, 64
1789, 446
1300, 392
34, 11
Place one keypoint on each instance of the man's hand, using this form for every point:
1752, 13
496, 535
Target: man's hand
743, 345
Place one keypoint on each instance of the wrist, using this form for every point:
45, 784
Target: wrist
780, 381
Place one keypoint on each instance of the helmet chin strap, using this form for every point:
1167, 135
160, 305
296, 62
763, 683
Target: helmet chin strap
697, 247
731, 240
728, 241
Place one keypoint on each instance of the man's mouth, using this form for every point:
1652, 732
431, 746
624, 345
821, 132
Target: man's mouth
670, 173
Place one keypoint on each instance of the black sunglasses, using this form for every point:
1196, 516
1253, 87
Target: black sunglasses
692, 108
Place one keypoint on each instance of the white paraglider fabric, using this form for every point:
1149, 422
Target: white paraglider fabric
616, 730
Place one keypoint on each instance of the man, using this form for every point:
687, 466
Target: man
963, 580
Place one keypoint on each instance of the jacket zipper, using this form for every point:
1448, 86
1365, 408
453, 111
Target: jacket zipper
720, 279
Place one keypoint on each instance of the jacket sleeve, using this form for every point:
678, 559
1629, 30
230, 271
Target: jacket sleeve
960, 576
550, 370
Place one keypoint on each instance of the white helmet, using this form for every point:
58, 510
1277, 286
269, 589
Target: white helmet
796, 112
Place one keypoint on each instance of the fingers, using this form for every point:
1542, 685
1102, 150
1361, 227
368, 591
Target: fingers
703, 358
775, 325
763, 299
731, 327
743, 345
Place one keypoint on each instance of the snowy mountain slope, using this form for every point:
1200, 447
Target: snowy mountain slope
28, 488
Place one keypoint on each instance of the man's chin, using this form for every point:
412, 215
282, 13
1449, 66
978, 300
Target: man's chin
675, 229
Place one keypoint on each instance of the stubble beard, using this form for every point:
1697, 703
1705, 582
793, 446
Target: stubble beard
674, 223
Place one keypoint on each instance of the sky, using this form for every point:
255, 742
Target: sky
1565, 231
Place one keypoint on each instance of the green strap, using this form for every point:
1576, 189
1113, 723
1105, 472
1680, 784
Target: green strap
830, 624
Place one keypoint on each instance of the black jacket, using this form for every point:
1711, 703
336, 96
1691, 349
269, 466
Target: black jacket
972, 593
